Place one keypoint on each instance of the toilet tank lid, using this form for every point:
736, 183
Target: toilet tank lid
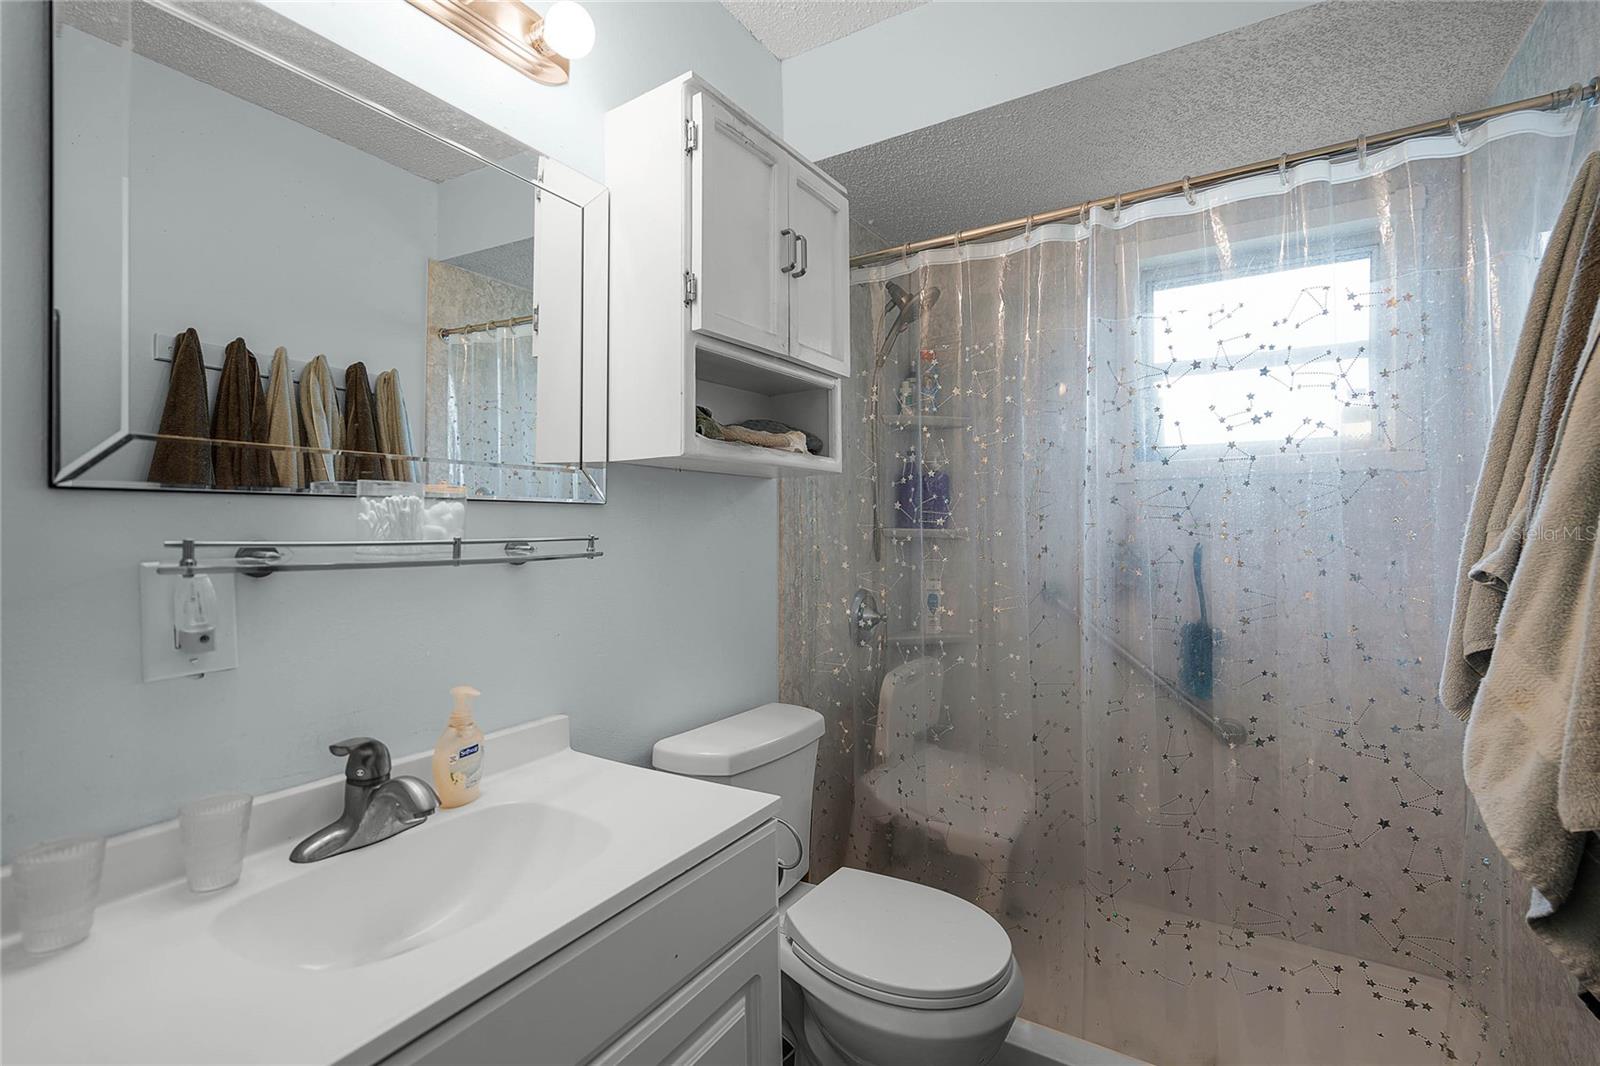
743, 742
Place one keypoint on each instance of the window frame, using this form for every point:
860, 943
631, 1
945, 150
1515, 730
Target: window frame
1332, 244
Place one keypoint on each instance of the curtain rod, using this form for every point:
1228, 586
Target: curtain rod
499, 323
1551, 101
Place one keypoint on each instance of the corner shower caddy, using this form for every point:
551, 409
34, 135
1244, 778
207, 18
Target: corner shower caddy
259, 558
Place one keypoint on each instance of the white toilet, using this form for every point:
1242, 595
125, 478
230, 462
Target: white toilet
877, 971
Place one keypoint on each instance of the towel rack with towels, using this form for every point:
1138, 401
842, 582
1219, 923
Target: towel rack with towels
259, 558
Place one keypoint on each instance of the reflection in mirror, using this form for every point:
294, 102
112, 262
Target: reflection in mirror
265, 282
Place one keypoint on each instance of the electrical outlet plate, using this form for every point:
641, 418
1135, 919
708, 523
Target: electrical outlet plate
160, 658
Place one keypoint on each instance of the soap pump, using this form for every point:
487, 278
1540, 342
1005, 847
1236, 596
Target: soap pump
458, 757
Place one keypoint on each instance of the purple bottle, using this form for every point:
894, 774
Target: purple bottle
908, 489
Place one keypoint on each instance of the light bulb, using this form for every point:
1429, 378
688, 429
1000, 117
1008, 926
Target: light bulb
568, 29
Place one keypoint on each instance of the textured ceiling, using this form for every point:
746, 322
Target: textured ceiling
1314, 76
184, 47
789, 27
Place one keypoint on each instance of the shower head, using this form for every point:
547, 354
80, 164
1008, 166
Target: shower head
910, 305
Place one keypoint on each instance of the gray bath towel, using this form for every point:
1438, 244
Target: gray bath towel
1521, 441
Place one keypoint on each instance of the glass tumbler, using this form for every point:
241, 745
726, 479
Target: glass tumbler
214, 830
59, 884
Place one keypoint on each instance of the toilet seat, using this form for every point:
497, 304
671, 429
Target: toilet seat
898, 942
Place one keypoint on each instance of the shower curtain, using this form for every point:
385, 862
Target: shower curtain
491, 390
1160, 692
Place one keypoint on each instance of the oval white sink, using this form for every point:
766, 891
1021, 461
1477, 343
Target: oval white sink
394, 896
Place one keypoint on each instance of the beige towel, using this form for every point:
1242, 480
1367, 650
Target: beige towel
1533, 741
283, 424
1520, 444
320, 419
394, 428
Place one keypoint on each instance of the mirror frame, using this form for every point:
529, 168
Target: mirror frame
591, 197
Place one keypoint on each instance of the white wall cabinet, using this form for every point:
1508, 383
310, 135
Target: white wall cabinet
729, 272
689, 974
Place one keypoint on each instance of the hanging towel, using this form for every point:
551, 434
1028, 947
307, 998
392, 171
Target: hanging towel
1533, 741
283, 424
361, 459
394, 428
236, 419
186, 414
1520, 443
321, 424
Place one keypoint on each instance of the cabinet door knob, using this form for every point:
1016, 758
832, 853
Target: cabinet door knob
805, 256
791, 242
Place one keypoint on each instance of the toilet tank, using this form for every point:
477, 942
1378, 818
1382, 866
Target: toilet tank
771, 748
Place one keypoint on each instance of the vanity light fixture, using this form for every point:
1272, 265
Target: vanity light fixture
539, 46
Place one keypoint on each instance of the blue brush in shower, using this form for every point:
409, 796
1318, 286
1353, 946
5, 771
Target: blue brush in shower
1195, 643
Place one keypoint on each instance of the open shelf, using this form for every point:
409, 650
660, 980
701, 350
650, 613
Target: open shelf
729, 457
953, 637
927, 421
922, 532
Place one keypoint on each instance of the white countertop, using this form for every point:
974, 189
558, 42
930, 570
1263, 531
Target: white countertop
152, 984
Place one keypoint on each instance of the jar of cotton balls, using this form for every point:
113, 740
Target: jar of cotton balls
399, 511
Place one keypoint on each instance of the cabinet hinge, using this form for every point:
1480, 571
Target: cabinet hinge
691, 135
691, 287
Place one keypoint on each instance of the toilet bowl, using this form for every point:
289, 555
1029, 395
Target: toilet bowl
877, 971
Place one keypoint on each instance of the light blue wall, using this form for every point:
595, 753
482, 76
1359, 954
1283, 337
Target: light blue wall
1562, 48
675, 626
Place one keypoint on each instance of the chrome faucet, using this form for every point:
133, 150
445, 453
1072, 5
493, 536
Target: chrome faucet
376, 806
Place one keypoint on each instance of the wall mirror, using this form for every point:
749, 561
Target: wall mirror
279, 268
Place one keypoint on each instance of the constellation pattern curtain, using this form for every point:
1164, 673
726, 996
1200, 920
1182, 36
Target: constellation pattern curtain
491, 390
1169, 712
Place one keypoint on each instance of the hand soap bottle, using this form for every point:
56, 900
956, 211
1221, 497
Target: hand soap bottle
458, 757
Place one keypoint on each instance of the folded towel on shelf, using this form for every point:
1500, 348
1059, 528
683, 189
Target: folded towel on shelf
320, 421
707, 426
394, 428
236, 419
186, 413
360, 460
772, 425
1520, 443
283, 425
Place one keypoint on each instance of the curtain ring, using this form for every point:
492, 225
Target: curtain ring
1361, 152
1574, 94
1027, 229
1455, 128
1116, 210
1086, 213
1593, 89
1188, 193
1283, 168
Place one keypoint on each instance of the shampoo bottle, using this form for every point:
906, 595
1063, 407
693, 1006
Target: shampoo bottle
458, 757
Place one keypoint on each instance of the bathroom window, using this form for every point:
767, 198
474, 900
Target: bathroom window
1277, 361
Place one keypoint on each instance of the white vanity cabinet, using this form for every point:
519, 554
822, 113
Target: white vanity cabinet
689, 974
729, 271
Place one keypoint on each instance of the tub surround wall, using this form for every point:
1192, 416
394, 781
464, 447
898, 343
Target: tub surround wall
634, 646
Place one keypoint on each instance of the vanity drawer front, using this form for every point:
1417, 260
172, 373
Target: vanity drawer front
727, 1015
588, 994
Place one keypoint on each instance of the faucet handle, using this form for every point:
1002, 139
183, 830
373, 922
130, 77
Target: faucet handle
368, 762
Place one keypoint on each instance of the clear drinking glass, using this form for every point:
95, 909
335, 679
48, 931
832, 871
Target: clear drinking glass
59, 884
214, 830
